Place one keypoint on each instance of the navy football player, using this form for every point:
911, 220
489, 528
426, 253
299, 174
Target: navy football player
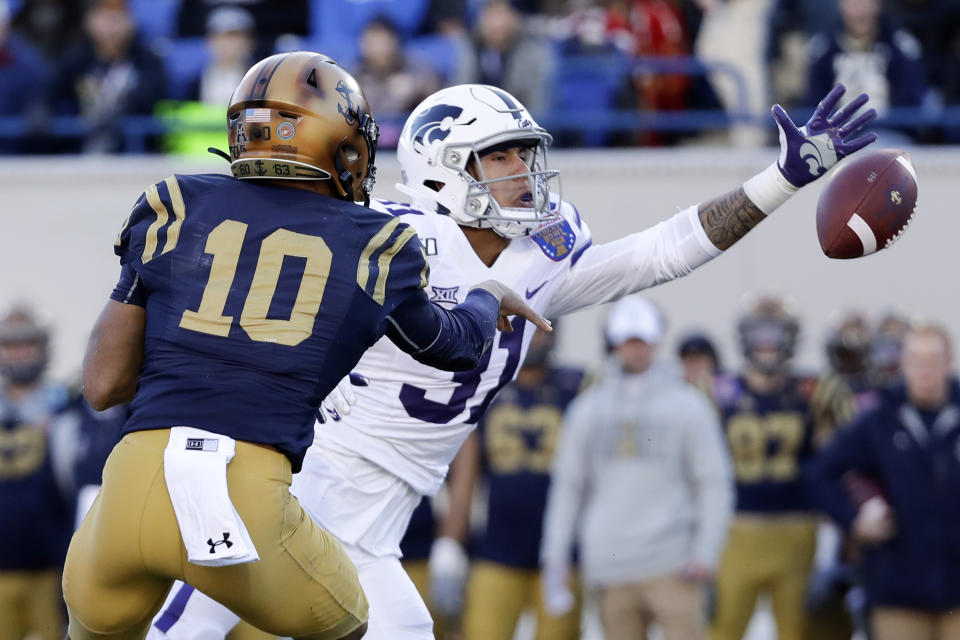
771, 418
242, 301
474, 164
517, 437
35, 500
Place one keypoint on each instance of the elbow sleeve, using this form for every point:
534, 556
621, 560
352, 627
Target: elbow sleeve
452, 340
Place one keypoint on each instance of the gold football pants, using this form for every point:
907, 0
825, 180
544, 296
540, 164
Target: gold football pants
30, 605
765, 554
496, 597
127, 552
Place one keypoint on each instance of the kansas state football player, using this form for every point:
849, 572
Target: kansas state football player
242, 301
474, 166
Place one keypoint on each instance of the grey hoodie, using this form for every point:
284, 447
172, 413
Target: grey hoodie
641, 478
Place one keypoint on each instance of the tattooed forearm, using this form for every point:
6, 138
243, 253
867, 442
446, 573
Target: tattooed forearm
728, 218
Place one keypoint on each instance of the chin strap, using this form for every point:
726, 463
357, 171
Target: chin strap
217, 152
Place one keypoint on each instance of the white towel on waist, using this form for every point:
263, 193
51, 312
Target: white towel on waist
195, 467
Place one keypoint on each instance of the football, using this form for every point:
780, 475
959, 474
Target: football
867, 203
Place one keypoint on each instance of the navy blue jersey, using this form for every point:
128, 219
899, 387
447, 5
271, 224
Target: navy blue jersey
770, 437
37, 515
915, 459
518, 436
259, 299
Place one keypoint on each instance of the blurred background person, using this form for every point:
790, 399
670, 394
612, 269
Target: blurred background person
910, 524
867, 53
53, 26
700, 361
886, 345
274, 18
393, 83
35, 500
91, 436
641, 481
23, 77
194, 121
112, 74
835, 601
415, 546
735, 33
511, 452
770, 420
503, 53
231, 43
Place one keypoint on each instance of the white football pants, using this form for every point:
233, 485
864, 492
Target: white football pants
397, 611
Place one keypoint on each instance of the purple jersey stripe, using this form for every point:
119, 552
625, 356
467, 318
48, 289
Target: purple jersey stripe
579, 252
175, 610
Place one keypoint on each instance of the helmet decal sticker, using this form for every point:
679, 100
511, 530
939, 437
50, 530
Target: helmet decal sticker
349, 112
434, 124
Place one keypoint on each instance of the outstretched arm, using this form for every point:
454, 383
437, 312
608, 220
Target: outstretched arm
691, 238
728, 218
455, 339
806, 153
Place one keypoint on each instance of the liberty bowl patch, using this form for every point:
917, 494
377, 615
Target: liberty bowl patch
556, 239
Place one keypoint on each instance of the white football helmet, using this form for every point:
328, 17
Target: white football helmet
444, 137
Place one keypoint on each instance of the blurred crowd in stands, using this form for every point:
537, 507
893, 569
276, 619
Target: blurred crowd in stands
106, 76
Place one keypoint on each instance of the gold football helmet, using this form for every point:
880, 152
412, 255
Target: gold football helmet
768, 332
301, 116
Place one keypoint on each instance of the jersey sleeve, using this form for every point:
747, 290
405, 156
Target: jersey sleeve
393, 265
153, 227
600, 273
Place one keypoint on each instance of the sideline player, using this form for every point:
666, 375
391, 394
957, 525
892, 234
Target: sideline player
515, 443
474, 166
771, 418
241, 303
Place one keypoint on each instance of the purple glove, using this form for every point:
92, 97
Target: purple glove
807, 153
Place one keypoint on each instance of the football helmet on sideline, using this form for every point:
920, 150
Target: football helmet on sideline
301, 116
768, 334
439, 152
24, 346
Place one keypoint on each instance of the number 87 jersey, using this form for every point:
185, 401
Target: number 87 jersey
259, 299
411, 420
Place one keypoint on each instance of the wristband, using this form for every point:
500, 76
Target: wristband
769, 189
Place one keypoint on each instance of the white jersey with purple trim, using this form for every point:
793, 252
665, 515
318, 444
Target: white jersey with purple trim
412, 419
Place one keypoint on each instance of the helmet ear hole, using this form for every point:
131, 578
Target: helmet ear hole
350, 153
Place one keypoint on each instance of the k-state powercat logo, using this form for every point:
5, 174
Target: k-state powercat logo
434, 124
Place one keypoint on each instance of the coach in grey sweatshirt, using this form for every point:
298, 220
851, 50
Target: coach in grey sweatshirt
641, 479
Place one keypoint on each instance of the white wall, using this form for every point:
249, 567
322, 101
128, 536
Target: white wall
60, 218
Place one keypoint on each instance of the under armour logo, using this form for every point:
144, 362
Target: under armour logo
214, 545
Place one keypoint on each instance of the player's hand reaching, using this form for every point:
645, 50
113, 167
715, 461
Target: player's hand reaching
511, 304
338, 403
806, 153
